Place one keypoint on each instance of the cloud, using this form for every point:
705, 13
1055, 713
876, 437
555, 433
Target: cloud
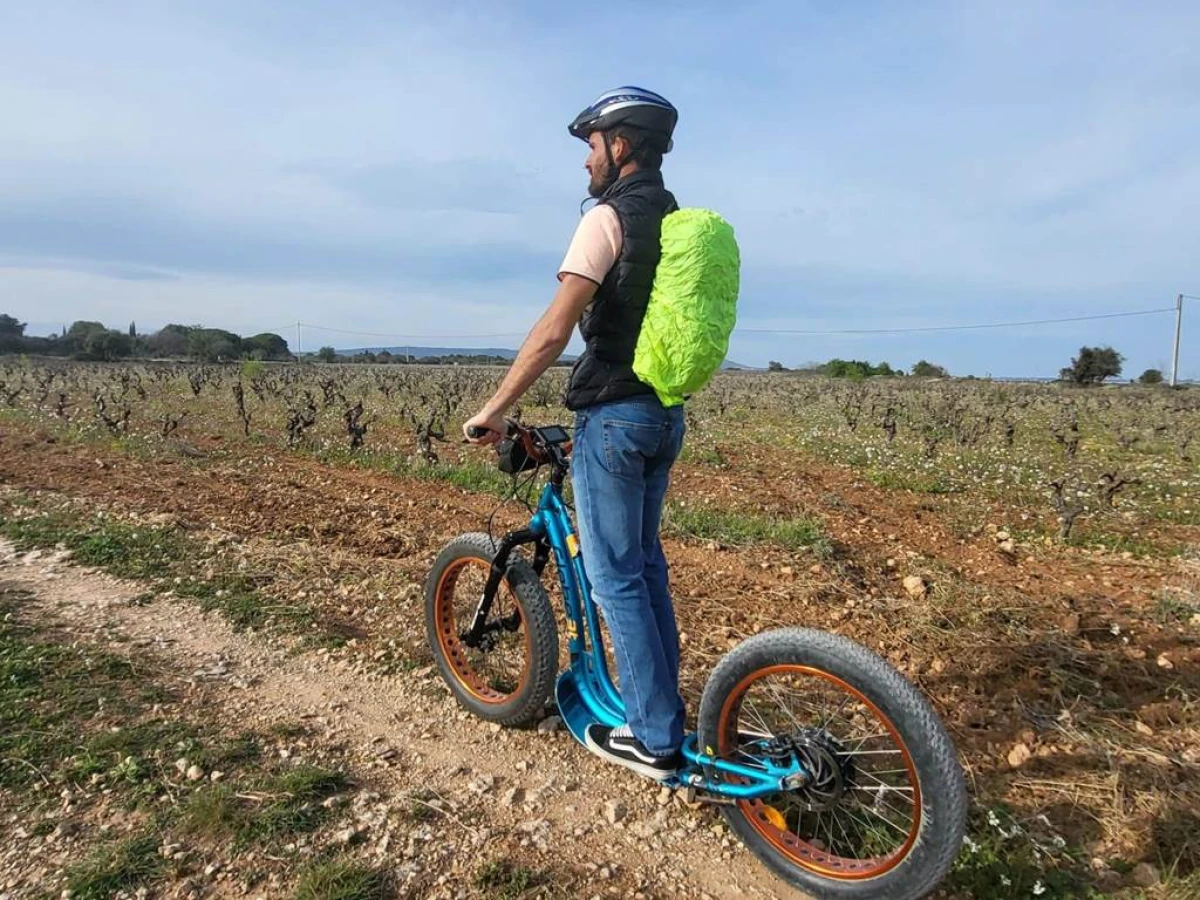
369, 161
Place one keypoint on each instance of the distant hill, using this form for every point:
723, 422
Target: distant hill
502, 352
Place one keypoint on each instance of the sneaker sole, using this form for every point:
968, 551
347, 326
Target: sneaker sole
642, 769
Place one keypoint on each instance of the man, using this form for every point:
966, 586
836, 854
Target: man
625, 439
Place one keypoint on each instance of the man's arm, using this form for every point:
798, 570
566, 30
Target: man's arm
544, 345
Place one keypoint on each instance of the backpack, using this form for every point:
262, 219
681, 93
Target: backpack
692, 308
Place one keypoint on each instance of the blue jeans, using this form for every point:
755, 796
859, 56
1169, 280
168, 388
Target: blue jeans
620, 467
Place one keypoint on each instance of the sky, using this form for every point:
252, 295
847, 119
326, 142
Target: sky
404, 169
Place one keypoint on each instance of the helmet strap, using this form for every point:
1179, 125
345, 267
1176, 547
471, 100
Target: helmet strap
614, 173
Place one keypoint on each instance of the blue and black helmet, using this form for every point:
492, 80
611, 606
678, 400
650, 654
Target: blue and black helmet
632, 106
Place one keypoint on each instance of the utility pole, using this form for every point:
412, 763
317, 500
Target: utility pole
299, 346
1175, 348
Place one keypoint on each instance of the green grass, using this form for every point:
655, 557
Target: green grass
126, 551
53, 701
1122, 543
159, 555
265, 809
83, 717
479, 473
114, 868
340, 880
896, 479
733, 527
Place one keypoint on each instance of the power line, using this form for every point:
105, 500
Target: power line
1144, 312
781, 331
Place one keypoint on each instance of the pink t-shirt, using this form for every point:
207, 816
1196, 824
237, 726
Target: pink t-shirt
596, 245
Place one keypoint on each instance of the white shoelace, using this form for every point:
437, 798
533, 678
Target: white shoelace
622, 731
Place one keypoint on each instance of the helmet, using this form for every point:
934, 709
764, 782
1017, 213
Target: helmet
632, 106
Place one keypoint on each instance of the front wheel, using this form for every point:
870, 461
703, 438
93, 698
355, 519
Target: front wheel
507, 673
884, 813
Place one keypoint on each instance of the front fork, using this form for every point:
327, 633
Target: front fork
474, 636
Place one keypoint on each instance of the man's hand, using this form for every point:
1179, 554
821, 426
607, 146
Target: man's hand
492, 421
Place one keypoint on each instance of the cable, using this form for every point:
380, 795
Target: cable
1144, 312
416, 337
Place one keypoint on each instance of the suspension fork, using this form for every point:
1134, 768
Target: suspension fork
474, 635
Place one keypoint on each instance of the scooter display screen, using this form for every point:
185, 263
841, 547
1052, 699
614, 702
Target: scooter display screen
553, 434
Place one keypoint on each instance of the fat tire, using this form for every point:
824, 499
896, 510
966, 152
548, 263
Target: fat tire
537, 617
939, 775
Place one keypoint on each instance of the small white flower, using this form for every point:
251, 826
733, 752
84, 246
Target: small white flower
1038, 889
1006, 881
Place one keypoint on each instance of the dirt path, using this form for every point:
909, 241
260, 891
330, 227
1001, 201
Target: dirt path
537, 790
1087, 660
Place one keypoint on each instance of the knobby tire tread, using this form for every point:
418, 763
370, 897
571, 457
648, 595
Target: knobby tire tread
943, 792
538, 619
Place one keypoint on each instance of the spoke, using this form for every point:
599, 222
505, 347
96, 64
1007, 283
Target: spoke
869, 753
774, 696
828, 831
883, 818
883, 789
883, 783
846, 698
880, 803
762, 723
870, 737
849, 843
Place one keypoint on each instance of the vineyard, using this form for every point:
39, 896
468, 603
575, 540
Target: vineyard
1025, 553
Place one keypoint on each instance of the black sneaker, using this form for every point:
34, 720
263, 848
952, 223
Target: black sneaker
618, 745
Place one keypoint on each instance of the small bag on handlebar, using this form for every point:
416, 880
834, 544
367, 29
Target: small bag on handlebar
513, 456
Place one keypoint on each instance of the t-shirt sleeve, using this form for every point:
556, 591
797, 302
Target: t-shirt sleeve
596, 245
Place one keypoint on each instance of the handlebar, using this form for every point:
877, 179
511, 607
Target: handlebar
546, 444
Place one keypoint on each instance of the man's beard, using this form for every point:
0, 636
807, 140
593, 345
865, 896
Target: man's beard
600, 183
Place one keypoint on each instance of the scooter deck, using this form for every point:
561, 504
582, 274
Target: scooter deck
577, 715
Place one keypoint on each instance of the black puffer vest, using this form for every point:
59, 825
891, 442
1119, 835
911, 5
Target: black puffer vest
611, 325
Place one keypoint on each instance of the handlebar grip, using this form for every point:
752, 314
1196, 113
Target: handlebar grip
475, 432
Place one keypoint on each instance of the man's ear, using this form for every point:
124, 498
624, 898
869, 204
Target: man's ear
622, 149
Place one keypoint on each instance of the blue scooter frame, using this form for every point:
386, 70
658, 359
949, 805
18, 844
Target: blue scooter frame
585, 692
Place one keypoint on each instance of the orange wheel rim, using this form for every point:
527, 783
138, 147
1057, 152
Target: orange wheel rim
768, 820
456, 653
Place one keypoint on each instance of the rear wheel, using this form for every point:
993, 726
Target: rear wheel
884, 812
507, 675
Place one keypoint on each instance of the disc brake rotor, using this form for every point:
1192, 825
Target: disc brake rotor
831, 771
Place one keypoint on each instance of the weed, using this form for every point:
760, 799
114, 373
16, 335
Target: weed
1172, 609
503, 880
340, 880
1003, 858
703, 454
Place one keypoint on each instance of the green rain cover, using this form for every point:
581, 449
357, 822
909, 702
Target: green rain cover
693, 305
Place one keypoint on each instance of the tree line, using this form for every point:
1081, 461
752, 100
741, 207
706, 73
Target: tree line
1092, 366
95, 341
